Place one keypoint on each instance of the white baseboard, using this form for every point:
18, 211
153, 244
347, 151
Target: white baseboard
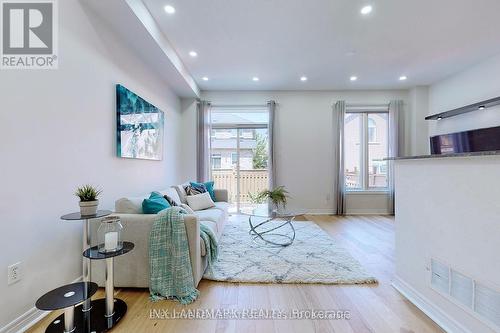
329, 211
322, 211
363, 211
319, 211
436, 314
27, 319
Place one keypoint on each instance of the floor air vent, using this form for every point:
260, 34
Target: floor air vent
487, 303
480, 300
462, 288
440, 278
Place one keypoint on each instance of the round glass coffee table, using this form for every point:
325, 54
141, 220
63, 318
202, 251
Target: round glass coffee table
271, 227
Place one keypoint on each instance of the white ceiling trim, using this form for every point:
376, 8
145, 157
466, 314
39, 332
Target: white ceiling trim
145, 17
132, 21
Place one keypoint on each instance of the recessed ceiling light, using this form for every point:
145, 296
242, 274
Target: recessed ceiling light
169, 9
204, 78
403, 78
353, 78
439, 118
482, 107
366, 10
303, 78
255, 78
193, 54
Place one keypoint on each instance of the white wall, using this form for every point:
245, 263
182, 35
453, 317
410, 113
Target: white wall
419, 105
189, 130
448, 209
58, 132
305, 142
473, 85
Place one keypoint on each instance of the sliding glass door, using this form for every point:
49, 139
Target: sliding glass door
239, 154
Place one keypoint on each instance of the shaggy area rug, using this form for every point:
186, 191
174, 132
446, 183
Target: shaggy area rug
314, 257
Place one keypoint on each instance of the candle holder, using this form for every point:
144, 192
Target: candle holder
109, 235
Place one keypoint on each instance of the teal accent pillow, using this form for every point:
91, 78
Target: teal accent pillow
154, 204
209, 186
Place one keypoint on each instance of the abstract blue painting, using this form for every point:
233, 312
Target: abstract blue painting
139, 128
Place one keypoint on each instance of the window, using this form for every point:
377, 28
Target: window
234, 158
248, 134
223, 134
366, 144
372, 130
352, 158
216, 161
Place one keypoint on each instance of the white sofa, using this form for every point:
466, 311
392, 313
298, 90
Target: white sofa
132, 269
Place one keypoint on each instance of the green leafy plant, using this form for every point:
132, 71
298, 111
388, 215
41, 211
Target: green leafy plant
255, 198
260, 155
278, 196
87, 193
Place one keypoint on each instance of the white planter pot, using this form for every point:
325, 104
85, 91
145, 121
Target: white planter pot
88, 208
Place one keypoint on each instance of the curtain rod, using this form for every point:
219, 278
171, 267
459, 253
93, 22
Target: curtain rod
377, 108
367, 105
240, 106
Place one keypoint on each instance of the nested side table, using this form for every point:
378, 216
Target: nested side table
107, 312
66, 297
86, 306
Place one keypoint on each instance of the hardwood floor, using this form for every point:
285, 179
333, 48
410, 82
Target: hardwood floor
373, 308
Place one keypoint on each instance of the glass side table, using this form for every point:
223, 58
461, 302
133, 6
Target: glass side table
86, 306
66, 297
107, 312
271, 227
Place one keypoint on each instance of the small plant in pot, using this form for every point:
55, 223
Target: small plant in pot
88, 199
277, 197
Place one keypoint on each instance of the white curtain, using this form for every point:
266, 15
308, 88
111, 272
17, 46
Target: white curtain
339, 177
396, 144
271, 164
203, 142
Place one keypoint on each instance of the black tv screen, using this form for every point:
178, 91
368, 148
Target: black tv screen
483, 139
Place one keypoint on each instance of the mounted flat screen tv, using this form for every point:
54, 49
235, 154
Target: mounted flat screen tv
483, 139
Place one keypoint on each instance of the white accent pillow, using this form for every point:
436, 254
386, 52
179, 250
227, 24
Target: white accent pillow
200, 201
187, 209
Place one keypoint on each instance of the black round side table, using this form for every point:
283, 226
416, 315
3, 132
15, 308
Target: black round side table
86, 243
107, 312
66, 297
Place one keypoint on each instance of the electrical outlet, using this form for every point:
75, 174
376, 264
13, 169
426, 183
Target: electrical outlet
14, 273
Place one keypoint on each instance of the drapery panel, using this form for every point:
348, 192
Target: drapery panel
396, 145
339, 176
271, 135
203, 141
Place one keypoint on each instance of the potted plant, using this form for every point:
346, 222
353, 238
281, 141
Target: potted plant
88, 199
278, 197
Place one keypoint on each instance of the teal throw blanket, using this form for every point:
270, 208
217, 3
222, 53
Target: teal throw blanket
171, 275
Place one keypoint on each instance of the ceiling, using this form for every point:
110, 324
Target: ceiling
328, 41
